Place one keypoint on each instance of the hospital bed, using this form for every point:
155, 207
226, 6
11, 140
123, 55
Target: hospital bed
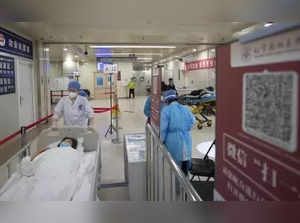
202, 105
83, 184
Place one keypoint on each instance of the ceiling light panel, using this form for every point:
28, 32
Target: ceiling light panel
134, 47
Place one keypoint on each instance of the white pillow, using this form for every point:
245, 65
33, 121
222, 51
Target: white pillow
26, 167
79, 148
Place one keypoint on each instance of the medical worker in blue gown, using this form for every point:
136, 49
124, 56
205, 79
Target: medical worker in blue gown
176, 121
83, 93
147, 106
75, 109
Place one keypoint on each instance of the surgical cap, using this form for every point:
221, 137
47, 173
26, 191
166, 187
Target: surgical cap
82, 93
74, 85
170, 94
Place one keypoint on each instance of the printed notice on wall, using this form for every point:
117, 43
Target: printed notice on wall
7, 75
270, 107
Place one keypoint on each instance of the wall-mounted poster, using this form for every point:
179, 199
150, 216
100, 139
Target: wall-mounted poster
99, 81
7, 75
257, 130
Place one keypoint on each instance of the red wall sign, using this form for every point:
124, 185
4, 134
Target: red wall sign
201, 64
258, 155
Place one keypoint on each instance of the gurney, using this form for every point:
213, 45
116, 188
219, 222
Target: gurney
203, 105
81, 186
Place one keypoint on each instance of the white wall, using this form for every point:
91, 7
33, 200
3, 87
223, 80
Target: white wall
201, 78
86, 78
9, 108
192, 79
9, 104
127, 73
56, 69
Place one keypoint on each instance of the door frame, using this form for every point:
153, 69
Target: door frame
18, 80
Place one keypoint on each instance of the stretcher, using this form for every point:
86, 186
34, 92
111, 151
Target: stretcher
86, 179
201, 107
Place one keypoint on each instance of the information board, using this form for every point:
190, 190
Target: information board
14, 44
7, 75
136, 147
110, 68
257, 147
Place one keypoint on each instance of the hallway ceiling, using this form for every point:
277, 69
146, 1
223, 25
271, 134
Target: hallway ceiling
178, 22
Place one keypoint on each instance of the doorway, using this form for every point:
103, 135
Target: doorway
25, 76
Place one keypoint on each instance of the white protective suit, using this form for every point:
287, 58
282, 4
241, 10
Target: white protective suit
76, 114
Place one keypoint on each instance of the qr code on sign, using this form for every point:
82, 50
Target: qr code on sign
270, 107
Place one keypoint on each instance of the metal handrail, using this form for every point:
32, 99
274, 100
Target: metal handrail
153, 183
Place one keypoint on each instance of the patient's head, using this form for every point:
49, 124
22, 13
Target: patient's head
68, 142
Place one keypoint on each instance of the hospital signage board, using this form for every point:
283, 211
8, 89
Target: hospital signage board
156, 99
257, 135
200, 64
12, 43
110, 68
276, 49
7, 75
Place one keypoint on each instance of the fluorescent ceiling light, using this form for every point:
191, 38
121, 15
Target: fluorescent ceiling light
144, 58
194, 50
127, 54
46, 49
135, 46
268, 24
65, 49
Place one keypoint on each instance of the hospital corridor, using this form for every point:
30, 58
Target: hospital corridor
149, 111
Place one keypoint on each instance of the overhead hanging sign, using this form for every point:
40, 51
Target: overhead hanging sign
258, 155
110, 68
14, 44
7, 75
200, 64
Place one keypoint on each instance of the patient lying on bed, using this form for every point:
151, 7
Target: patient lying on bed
66, 142
54, 174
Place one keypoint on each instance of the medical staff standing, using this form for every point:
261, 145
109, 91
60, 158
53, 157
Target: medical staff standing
131, 86
175, 123
147, 106
75, 109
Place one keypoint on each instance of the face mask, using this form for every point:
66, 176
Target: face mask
65, 144
72, 94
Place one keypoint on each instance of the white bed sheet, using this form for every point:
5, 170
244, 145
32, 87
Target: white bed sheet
63, 186
203, 148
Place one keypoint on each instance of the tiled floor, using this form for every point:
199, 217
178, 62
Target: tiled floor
132, 120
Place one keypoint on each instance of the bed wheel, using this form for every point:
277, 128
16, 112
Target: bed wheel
200, 126
209, 123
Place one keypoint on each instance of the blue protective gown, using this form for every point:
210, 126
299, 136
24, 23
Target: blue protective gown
175, 123
147, 107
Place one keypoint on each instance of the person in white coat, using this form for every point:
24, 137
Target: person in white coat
75, 109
